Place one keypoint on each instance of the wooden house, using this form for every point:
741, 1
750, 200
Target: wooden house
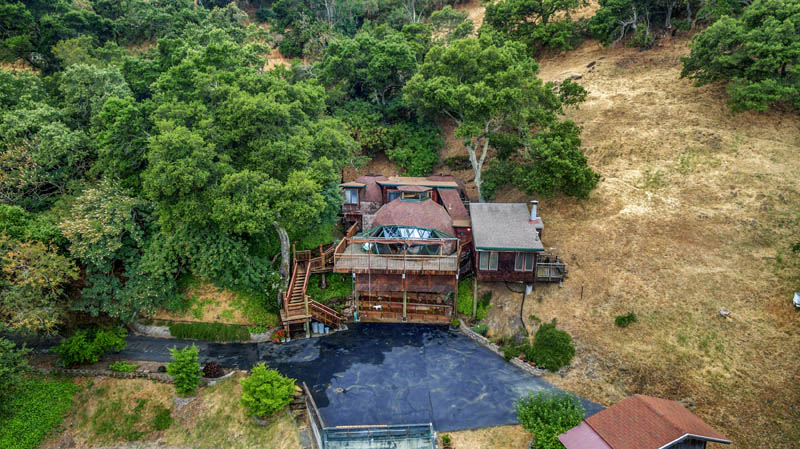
407, 260
642, 422
508, 246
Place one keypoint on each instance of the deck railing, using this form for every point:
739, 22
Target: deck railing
347, 263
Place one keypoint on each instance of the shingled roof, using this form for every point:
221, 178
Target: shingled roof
503, 227
423, 214
373, 190
640, 422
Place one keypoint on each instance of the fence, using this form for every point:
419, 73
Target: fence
414, 436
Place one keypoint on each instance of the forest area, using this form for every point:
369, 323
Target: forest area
144, 143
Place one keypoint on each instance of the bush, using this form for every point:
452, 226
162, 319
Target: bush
481, 329
458, 162
552, 348
162, 419
455, 322
13, 365
625, 320
87, 345
266, 391
209, 331
123, 367
465, 301
184, 369
35, 411
415, 149
212, 370
264, 14
547, 414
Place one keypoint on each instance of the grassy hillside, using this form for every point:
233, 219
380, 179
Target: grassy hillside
693, 206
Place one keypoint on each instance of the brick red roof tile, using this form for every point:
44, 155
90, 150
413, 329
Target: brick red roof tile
645, 422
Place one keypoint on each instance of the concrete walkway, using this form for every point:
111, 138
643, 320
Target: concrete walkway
383, 374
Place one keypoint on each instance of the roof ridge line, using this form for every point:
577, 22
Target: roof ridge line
662, 415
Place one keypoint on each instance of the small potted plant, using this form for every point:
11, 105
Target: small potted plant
454, 324
447, 441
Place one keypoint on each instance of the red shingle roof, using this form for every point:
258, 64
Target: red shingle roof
423, 214
644, 422
373, 191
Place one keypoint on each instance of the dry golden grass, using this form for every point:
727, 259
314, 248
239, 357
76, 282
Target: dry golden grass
209, 303
693, 206
504, 437
213, 420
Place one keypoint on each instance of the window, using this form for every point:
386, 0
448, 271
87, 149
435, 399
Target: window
524, 262
393, 194
488, 260
351, 196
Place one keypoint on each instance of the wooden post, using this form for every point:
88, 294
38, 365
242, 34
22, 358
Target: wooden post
455, 297
355, 291
308, 331
405, 297
474, 296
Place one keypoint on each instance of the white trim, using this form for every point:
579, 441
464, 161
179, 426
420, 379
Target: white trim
699, 437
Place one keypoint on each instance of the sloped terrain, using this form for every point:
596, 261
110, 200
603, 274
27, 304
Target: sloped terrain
693, 207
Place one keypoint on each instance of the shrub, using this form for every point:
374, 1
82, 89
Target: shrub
510, 351
625, 320
266, 391
547, 414
34, 412
264, 14
447, 441
162, 419
552, 348
465, 301
481, 329
209, 331
455, 322
13, 366
458, 162
123, 367
87, 345
212, 370
184, 369
416, 148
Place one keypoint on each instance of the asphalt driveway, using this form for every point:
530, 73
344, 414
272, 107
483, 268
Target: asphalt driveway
384, 374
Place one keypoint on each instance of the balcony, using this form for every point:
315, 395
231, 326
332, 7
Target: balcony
350, 257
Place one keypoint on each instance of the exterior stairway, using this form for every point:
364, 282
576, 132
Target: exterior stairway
299, 308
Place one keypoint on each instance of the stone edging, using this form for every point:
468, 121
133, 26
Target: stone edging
79, 372
156, 377
163, 332
532, 370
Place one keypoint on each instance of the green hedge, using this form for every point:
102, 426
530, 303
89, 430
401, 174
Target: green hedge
209, 331
339, 286
35, 411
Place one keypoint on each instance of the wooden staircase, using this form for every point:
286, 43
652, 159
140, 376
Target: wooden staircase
299, 308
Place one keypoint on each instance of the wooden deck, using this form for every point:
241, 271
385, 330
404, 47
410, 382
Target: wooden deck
355, 260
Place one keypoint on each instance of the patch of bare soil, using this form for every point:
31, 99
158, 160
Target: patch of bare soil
693, 206
475, 10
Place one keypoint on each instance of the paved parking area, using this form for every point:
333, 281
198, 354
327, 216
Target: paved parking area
385, 374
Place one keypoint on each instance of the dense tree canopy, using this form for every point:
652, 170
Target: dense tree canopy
488, 87
147, 142
757, 53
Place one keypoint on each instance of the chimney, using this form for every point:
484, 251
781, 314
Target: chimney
534, 215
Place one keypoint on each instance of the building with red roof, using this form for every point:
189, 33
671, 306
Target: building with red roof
642, 422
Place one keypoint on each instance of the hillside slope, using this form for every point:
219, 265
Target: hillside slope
693, 206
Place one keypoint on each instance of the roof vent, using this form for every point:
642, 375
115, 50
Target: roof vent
534, 212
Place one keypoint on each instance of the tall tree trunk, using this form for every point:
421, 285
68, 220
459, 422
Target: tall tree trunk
477, 164
285, 268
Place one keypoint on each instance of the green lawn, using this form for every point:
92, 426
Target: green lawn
339, 286
36, 410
